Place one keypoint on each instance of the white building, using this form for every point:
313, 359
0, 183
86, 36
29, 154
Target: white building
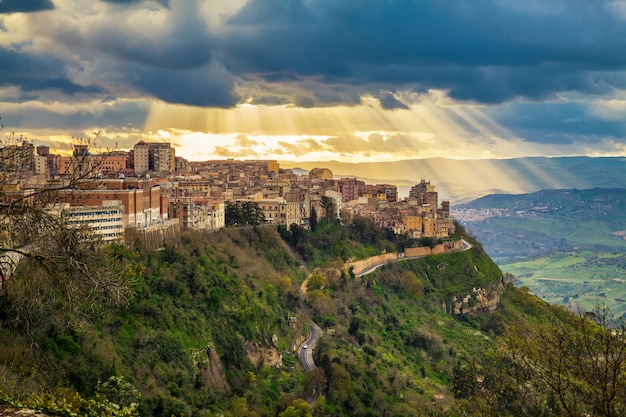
106, 221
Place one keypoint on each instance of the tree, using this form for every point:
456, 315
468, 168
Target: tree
44, 260
316, 281
313, 220
298, 408
243, 213
569, 367
330, 209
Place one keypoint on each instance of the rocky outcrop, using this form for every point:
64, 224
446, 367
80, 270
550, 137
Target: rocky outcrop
210, 368
479, 300
261, 355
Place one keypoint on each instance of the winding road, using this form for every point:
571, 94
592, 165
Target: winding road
305, 354
315, 332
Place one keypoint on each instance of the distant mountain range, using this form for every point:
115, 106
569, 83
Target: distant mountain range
461, 181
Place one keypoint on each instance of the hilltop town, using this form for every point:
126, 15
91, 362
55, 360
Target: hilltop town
152, 191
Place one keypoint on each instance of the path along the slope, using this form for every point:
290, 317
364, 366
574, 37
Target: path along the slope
371, 268
305, 354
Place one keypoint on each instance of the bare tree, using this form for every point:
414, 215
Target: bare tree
43, 258
571, 366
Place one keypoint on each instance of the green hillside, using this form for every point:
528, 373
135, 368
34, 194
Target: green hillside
211, 321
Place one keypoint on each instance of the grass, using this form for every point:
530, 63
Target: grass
582, 278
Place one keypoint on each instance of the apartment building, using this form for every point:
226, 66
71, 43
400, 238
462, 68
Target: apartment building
153, 157
197, 214
381, 192
106, 220
142, 200
280, 211
349, 188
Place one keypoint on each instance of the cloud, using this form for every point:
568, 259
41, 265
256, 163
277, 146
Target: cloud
31, 72
488, 51
559, 123
302, 147
389, 102
25, 6
536, 68
127, 2
209, 86
244, 141
227, 152
182, 41
325, 53
75, 116
376, 143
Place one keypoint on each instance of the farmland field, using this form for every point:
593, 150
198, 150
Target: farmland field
575, 279
567, 246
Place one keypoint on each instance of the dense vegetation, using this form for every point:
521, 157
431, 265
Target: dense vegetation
210, 330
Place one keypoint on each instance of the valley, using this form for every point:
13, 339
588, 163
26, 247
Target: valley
567, 246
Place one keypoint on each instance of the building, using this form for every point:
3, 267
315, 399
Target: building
321, 174
380, 192
425, 193
197, 214
142, 200
111, 164
280, 211
349, 188
106, 221
154, 157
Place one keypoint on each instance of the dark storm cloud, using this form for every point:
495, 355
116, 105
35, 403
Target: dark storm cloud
333, 52
208, 86
183, 42
32, 72
126, 2
25, 6
122, 114
485, 50
269, 100
557, 123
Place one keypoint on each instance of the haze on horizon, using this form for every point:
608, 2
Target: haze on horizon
319, 80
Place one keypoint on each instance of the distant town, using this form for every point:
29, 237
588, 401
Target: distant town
152, 191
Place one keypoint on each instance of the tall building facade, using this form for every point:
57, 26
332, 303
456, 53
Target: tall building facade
153, 157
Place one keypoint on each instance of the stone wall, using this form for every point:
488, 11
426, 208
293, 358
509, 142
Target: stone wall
445, 247
154, 236
362, 265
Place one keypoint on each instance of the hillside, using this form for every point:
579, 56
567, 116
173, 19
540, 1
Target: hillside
214, 320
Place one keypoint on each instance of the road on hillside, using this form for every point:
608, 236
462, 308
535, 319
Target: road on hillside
305, 354
372, 268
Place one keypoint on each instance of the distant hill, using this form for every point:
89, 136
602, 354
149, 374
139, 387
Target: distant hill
567, 246
461, 181
523, 226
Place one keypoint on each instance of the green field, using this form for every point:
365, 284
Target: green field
576, 279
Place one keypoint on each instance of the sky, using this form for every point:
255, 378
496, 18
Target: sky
316, 80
